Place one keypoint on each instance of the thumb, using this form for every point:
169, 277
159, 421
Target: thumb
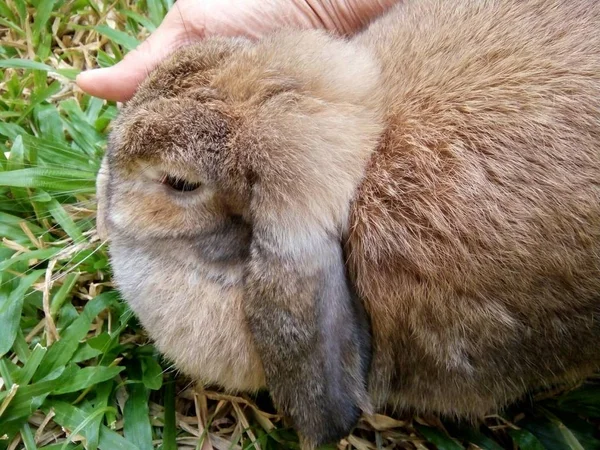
120, 81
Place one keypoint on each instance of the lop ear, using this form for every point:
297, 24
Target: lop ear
309, 328
305, 151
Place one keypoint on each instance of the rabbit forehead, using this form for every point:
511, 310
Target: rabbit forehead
189, 68
309, 61
176, 131
192, 105
302, 59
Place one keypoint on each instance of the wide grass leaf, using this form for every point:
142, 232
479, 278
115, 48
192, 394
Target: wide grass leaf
587, 434
18, 63
11, 304
553, 435
143, 21
41, 254
77, 421
170, 429
39, 96
152, 373
475, 436
155, 8
103, 391
50, 179
62, 351
437, 437
585, 400
49, 124
525, 440
64, 220
29, 398
52, 149
88, 376
31, 366
61, 295
123, 39
42, 16
136, 416
28, 437
17, 155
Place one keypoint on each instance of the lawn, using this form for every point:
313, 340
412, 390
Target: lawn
76, 369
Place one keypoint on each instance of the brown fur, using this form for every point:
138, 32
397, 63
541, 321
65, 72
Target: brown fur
454, 152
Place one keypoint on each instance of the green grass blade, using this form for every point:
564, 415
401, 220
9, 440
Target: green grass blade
61, 295
17, 155
5, 11
17, 63
551, 435
29, 398
141, 20
60, 446
42, 16
20, 347
78, 421
155, 8
88, 376
35, 254
64, 220
31, 366
49, 124
152, 374
12, 220
50, 179
569, 438
136, 416
123, 39
5, 374
440, 439
61, 352
38, 97
170, 429
27, 437
11, 303
525, 440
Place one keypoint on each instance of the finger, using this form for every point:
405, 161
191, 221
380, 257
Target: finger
120, 81
348, 16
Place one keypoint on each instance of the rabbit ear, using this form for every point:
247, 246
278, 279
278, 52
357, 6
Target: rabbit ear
305, 153
310, 330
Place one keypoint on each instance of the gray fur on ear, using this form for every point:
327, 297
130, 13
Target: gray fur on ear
311, 332
302, 148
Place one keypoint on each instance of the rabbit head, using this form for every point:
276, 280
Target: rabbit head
250, 154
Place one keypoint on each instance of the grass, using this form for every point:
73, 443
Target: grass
76, 370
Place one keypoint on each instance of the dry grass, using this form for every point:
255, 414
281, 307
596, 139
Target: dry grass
76, 369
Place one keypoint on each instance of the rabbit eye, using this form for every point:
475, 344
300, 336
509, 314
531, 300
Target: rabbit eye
179, 184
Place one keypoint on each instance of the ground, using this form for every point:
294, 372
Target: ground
76, 369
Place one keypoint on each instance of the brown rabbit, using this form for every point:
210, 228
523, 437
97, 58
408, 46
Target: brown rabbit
407, 218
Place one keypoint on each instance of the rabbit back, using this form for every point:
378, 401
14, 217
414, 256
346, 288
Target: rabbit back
475, 235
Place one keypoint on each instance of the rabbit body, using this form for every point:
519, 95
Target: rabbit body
452, 149
475, 236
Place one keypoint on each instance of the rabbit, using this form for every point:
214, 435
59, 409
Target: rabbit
407, 219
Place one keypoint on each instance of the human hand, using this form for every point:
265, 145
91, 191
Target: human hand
191, 20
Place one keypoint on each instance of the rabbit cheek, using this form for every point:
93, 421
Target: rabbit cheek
150, 211
191, 310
